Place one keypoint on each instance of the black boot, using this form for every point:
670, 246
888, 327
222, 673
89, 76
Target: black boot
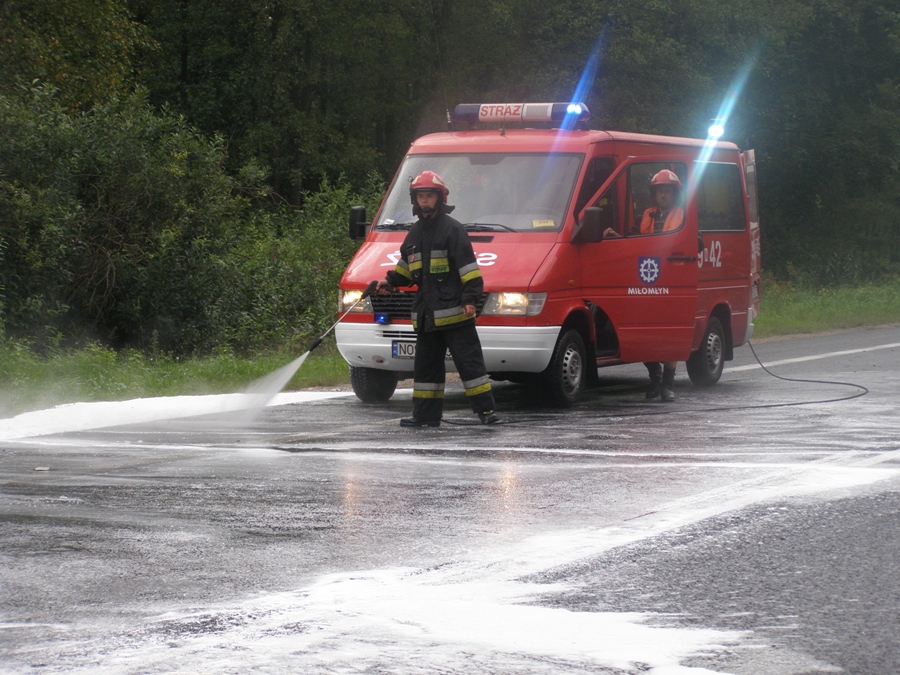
667, 391
655, 372
488, 417
416, 422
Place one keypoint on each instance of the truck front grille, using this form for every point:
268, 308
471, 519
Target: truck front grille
399, 304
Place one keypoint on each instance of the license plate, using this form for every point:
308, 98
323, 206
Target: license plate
400, 349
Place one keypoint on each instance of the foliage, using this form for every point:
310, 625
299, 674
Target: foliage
315, 89
824, 110
288, 83
282, 278
179, 175
121, 224
81, 47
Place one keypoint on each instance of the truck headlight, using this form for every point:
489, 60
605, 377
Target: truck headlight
347, 298
514, 304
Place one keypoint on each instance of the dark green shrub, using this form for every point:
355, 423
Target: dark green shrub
121, 225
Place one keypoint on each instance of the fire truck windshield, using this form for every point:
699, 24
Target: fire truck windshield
522, 192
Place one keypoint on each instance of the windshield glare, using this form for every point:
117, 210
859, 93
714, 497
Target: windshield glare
524, 192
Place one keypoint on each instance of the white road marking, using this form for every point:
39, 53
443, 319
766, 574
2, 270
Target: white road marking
815, 357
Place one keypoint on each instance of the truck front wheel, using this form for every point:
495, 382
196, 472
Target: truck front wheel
706, 364
565, 375
373, 386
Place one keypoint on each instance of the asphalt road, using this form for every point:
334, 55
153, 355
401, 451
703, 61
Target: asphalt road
747, 528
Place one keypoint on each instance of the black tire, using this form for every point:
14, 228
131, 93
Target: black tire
706, 364
373, 386
565, 375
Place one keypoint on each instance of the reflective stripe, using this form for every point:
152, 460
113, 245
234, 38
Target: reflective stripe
431, 386
439, 265
450, 311
438, 254
428, 390
468, 384
483, 389
402, 270
447, 317
479, 385
450, 320
468, 269
474, 274
415, 261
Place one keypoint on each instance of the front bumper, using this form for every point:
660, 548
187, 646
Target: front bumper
505, 348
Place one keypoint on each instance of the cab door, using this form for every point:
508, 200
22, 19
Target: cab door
646, 284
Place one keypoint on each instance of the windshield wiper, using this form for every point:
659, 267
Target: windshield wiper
394, 226
487, 227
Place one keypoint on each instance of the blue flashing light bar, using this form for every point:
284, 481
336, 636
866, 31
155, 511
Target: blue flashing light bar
520, 112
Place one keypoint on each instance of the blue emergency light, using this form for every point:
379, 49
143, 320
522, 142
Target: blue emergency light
521, 112
716, 129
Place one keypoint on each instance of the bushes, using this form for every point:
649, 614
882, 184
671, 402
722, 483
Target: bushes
284, 276
121, 225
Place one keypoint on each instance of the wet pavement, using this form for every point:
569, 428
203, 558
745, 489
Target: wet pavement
746, 528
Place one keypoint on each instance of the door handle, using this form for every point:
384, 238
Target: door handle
682, 258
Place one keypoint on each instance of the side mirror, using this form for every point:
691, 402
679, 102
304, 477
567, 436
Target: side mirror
358, 225
589, 229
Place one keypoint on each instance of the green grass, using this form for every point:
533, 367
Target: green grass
788, 310
31, 382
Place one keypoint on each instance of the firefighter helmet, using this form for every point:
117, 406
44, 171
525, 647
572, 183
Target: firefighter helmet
428, 181
665, 177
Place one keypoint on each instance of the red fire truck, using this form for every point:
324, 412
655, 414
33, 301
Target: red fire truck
571, 284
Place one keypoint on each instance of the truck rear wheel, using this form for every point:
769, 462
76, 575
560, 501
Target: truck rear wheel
373, 386
706, 364
565, 375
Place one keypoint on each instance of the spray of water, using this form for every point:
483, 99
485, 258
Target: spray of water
242, 408
258, 395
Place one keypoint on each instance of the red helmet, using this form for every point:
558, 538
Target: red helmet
428, 180
665, 177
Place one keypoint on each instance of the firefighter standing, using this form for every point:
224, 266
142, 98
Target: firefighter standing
437, 256
666, 215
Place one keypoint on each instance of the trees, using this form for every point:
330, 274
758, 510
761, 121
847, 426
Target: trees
311, 88
112, 221
121, 224
123, 213
81, 47
824, 110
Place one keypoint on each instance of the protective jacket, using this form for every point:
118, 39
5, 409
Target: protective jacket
673, 220
437, 256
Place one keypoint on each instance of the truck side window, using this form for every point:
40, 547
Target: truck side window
598, 170
609, 204
720, 202
641, 197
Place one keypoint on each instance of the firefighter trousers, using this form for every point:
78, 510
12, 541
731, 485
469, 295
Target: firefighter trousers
429, 373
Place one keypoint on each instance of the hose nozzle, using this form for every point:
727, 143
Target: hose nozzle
373, 285
369, 289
